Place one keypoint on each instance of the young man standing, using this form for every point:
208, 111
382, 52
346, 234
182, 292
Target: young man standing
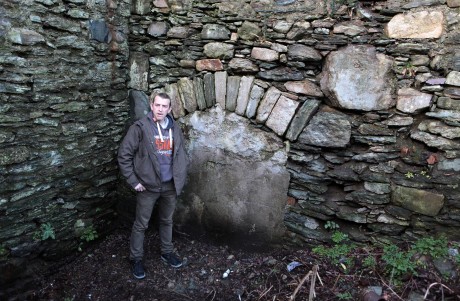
153, 160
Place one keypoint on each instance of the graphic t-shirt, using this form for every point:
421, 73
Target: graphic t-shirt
164, 148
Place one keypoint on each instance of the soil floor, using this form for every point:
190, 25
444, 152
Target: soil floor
102, 271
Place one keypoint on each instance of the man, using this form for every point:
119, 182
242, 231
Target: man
153, 160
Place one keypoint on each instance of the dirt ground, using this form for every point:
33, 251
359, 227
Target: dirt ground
102, 271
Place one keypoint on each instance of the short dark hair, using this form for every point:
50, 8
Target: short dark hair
161, 95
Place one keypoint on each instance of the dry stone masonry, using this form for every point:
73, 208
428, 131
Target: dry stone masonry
63, 110
364, 96
297, 112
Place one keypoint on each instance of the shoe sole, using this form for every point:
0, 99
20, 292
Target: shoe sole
174, 266
139, 277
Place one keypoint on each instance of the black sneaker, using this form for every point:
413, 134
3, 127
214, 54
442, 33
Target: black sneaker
138, 270
172, 260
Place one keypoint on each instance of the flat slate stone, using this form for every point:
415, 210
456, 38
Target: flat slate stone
219, 50
448, 103
453, 78
158, 29
242, 65
452, 92
327, 129
25, 36
412, 101
439, 128
421, 201
305, 87
215, 32
435, 141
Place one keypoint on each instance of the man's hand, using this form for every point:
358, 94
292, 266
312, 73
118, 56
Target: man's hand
139, 187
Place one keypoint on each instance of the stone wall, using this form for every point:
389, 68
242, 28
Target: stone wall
366, 97
63, 111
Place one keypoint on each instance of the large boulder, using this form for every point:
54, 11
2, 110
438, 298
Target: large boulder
238, 181
358, 78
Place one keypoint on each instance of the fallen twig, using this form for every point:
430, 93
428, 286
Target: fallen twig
335, 282
213, 291
319, 278
313, 272
312, 284
431, 285
292, 298
388, 286
265, 292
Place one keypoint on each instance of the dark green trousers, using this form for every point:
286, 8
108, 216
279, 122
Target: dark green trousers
146, 200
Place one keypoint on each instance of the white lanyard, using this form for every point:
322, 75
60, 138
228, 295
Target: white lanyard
161, 135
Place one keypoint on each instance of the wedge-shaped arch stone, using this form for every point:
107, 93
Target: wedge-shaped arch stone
358, 78
220, 83
282, 114
187, 94
138, 103
177, 105
199, 93
301, 118
233, 85
267, 104
243, 94
209, 89
256, 95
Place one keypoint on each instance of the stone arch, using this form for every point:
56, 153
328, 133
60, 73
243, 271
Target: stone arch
239, 179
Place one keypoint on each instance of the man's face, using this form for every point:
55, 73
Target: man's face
160, 108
